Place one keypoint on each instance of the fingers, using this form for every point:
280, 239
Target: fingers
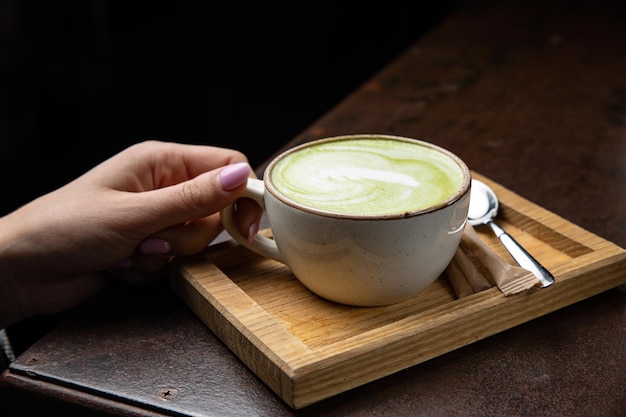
198, 197
154, 253
184, 239
248, 217
194, 236
190, 203
154, 164
177, 205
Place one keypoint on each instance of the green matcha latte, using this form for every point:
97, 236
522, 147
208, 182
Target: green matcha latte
373, 176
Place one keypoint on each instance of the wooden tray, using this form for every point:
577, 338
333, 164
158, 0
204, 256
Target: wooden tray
307, 349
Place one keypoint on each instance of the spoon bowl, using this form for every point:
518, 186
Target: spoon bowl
483, 209
483, 204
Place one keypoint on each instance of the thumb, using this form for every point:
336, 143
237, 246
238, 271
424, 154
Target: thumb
199, 197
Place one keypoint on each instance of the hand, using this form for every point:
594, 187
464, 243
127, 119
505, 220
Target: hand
129, 214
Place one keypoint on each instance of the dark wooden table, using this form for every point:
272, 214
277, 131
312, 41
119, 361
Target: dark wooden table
530, 94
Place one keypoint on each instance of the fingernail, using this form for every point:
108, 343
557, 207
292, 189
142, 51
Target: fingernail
234, 175
154, 246
252, 231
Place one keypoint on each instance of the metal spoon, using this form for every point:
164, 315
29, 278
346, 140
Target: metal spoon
482, 210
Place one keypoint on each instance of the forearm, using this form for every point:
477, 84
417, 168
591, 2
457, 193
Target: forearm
11, 308
13, 305
44, 266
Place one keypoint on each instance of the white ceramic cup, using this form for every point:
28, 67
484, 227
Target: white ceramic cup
349, 253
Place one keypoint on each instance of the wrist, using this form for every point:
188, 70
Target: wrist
13, 303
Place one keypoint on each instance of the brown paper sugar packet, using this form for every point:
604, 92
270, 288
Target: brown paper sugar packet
510, 279
465, 278
455, 275
477, 278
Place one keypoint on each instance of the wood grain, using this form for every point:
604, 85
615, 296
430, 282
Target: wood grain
307, 349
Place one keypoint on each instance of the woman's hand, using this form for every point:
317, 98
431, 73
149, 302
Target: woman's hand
129, 214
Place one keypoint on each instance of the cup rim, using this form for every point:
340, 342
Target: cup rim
463, 190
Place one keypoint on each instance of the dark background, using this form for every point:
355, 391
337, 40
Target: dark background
81, 80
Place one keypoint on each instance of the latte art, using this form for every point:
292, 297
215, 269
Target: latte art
377, 176
364, 174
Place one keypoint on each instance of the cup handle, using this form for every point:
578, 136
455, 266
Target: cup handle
262, 245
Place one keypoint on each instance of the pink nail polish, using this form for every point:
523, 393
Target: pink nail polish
252, 231
234, 175
154, 246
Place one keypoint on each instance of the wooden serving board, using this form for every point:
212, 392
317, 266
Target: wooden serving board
307, 349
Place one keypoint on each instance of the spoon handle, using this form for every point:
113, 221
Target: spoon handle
521, 256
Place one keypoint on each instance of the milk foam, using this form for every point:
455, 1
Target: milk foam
368, 176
